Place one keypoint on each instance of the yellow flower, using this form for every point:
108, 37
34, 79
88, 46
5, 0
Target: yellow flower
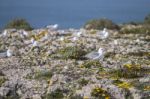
107, 97
147, 88
128, 66
125, 85
85, 97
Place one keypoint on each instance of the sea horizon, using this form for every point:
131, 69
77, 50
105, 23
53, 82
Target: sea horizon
72, 13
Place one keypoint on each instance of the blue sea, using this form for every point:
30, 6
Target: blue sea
72, 13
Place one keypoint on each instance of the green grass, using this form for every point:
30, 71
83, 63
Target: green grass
91, 63
40, 75
72, 52
100, 93
57, 94
130, 71
2, 80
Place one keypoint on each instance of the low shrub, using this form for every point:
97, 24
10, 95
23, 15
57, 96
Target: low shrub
99, 24
129, 71
138, 30
18, 24
72, 52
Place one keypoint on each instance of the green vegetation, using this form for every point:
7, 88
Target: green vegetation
122, 84
43, 75
99, 24
57, 94
76, 97
72, 52
18, 24
130, 71
92, 63
138, 30
40, 75
139, 54
2, 80
100, 93
83, 82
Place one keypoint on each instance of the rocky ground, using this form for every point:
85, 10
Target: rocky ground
57, 69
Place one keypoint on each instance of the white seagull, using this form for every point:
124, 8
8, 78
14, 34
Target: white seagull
5, 32
53, 27
25, 33
96, 55
74, 39
9, 53
103, 34
79, 33
35, 44
32, 40
62, 38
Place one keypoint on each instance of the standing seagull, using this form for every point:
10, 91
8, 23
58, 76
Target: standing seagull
96, 55
53, 27
62, 38
79, 33
35, 44
5, 32
25, 33
103, 34
74, 39
7, 53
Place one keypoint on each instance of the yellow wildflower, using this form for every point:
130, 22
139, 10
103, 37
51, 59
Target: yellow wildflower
85, 97
147, 88
107, 97
125, 85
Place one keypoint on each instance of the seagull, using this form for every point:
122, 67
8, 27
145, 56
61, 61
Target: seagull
46, 36
137, 40
35, 44
62, 38
5, 32
103, 34
9, 53
74, 39
32, 40
96, 55
25, 33
53, 27
79, 33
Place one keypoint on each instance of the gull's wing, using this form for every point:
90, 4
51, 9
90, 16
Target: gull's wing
92, 55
